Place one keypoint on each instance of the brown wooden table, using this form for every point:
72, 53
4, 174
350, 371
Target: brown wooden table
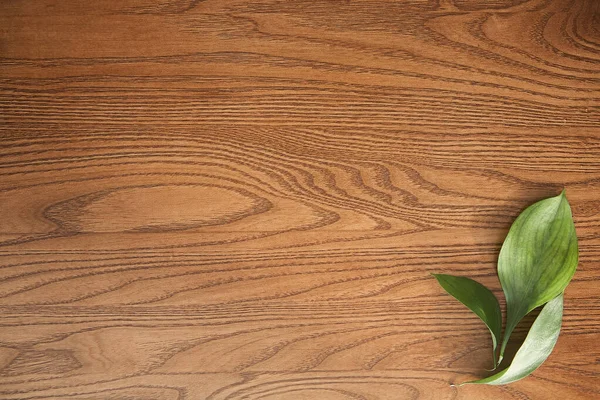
215, 199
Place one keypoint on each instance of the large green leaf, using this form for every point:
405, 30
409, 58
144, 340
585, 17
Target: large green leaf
478, 299
536, 348
538, 259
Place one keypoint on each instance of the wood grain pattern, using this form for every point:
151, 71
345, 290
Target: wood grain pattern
244, 199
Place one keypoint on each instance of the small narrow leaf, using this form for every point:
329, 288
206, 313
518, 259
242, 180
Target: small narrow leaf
535, 349
478, 299
538, 259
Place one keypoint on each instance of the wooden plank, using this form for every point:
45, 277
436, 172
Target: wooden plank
245, 199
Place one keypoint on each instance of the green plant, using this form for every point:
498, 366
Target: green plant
536, 263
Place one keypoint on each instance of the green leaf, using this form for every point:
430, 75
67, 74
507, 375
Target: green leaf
535, 349
538, 259
478, 299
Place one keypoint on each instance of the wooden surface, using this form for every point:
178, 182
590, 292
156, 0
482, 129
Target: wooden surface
245, 199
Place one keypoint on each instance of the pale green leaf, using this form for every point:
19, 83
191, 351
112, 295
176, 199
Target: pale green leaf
538, 259
478, 299
535, 349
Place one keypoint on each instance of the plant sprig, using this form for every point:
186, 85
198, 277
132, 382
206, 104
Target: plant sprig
536, 263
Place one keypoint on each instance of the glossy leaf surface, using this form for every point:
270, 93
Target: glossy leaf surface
538, 259
536, 348
478, 299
